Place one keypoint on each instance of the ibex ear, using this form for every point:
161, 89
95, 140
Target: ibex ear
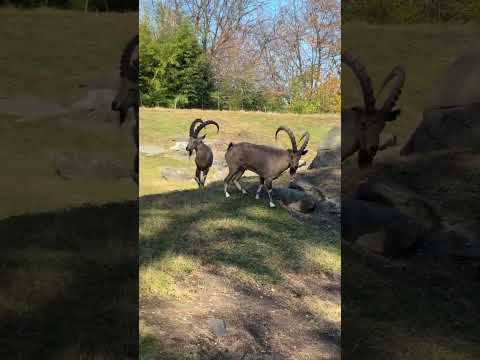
304, 152
392, 115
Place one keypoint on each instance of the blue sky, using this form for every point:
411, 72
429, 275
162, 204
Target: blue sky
271, 6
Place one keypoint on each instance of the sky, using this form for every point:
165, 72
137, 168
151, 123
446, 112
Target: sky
271, 7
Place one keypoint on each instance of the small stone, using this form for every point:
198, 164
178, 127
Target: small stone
217, 326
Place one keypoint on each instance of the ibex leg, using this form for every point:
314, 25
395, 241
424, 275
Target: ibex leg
259, 190
268, 187
237, 184
197, 177
228, 179
205, 173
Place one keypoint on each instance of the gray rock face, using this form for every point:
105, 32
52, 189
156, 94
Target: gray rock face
151, 150
446, 128
176, 174
452, 112
388, 193
217, 326
458, 86
329, 150
84, 166
29, 108
296, 199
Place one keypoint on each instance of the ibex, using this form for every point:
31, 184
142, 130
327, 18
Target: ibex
127, 96
361, 127
203, 153
266, 161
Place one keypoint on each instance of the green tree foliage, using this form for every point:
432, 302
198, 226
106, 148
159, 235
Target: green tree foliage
174, 71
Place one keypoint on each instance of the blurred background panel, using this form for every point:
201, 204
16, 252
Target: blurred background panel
410, 253
68, 205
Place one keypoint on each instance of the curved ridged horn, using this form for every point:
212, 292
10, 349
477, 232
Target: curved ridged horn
398, 73
127, 70
192, 127
365, 83
290, 135
303, 145
205, 123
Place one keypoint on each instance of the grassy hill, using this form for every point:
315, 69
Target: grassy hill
273, 280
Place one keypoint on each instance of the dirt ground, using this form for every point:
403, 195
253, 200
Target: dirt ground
260, 322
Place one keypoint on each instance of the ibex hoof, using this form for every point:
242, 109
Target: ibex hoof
244, 192
227, 195
257, 197
272, 205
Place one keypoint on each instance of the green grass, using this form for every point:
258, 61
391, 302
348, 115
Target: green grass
38, 65
405, 317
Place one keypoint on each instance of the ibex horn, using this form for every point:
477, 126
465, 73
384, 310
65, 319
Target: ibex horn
365, 83
192, 127
205, 123
303, 145
290, 134
392, 98
127, 70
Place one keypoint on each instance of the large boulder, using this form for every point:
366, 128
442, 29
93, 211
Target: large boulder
386, 192
452, 113
70, 165
329, 150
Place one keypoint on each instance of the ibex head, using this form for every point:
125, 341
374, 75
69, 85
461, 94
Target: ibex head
370, 120
127, 95
194, 140
295, 153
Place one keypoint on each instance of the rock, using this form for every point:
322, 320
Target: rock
30, 108
333, 138
179, 146
325, 158
329, 150
217, 326
446, 128
305, 206
176, 174
396, 232
452, 113
82, 166
296, 199
305, 186
151, 150
96, 99
387, 193
458, 85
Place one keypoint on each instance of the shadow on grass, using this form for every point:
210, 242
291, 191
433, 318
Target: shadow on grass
70, 284
251, 240
239, 231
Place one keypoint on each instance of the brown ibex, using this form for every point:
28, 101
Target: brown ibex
203, 153
127, 96
266, 161
362, 126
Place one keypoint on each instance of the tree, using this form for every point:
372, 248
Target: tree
173, 66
